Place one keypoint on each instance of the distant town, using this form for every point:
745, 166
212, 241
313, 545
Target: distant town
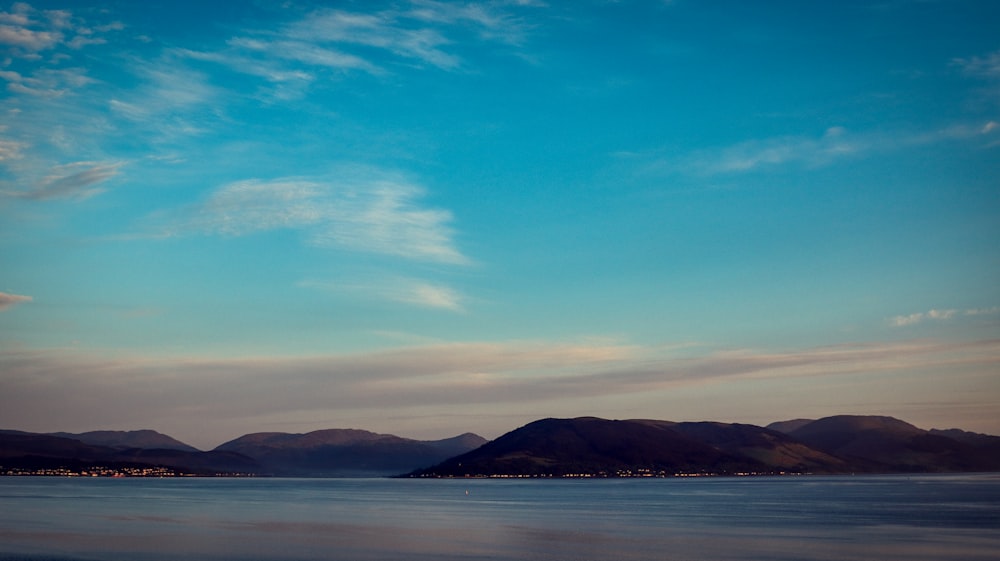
118, 472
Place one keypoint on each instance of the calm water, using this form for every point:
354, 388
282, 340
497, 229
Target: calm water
794, 518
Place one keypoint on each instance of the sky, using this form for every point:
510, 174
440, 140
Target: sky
424, 218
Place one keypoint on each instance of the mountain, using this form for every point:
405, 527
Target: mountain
788, 426
592, 446
772, 448
973, 438
128, 439
345, 452
585, 446
842, 444
31, 451
885, 444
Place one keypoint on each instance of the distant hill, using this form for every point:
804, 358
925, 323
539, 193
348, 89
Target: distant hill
886, 444
771, 448
788, 426
592, 446
128, 439
585, 446
345, 452
28, 451
598, 447
973, 438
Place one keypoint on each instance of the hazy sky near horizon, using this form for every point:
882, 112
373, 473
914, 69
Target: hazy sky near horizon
426, 218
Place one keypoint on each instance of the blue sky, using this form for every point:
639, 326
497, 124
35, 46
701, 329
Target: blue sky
425, 217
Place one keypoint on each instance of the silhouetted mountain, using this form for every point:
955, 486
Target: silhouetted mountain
457, 444
548, 447
843, 444
973, 438
885, 444
591, 446
788, 426
769, 447
345, 452
30, 451
128, 439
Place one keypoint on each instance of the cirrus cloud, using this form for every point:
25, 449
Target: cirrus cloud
78, 180
377, 214
835, 144
415, 292
920, 317
90, 389
8, 301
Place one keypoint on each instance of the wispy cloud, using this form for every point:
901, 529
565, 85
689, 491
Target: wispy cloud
26, 39
983, 311
27, 31
836, 143
415, 292
11, 149
433, 296
173, 101
930, 315
422, 33
381, 31
378, 214
488, 20
987, 66
78, 180
462, 377
7, 300
45, 82
50, 131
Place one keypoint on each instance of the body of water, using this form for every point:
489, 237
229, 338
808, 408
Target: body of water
788, 518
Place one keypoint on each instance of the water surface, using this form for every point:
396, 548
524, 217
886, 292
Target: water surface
789, 518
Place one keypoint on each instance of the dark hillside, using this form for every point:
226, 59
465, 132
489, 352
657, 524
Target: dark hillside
885, 444
345, 452
591, 446
128, 439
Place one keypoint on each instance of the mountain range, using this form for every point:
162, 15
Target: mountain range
584, 447
345, 452
323, 453
589, 446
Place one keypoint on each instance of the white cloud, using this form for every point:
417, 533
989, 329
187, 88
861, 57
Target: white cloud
28, 39
414, 292
982, 67
300, 51
983, 311
46, 83
434, 296
52, 127
10, 149
902, 321
168, 89
9, 300
28, 31
835, 144
377, 214
336, 39
78, 180
489, 22
18, 16
381, 31
919, 317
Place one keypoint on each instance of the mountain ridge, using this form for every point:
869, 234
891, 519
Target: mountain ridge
142, 438
346, 452
832, 445
551, 447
